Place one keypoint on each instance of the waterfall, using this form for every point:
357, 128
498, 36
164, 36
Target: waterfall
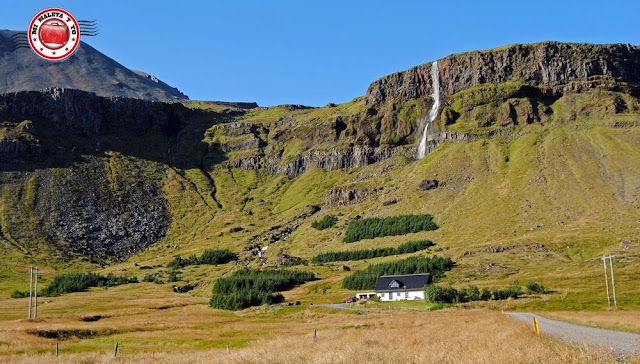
435, 95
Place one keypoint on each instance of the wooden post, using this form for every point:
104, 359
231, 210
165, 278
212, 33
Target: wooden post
35, 294
535, 324
30, 289
314, 335
613, 282
228, 350
116, 350
56, 349
606, 280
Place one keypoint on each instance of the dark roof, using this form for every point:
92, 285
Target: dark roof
405, 282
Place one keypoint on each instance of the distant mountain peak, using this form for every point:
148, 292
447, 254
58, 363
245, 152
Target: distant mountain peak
87, 69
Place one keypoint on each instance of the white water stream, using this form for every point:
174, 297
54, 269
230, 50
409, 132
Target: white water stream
435, 79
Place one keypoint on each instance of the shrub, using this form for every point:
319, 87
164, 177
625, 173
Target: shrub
388, 226
367, 278
19, 294
441, 294
212, 256
486, 294
152, 277
78, 282
245, 288
408, 247
217, 256
512, 291
326, 222
470, 293
173, 277
178, 262
440, 306
535, 287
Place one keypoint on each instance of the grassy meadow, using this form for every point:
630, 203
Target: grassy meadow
151, 324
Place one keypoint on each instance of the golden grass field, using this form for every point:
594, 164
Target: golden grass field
152, 325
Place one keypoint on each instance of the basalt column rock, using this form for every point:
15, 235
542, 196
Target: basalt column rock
556, 67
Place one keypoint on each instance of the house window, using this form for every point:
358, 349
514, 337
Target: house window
406, 295
394, 284
390, 295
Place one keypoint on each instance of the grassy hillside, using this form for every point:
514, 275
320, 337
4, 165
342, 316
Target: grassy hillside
542, 188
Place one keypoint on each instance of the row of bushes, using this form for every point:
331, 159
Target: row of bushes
448, 294
78, 282
326, 222
367, 278
388, 226
246, 288
213, 256
408, 247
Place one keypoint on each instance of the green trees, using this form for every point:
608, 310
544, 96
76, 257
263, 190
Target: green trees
441, 294
212, 256
366, 279
245, 288
448, 294
408, 247
78, 282
326, 222
217, 256
535, 287
388, 226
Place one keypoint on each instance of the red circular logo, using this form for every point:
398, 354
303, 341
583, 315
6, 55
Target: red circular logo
54, 34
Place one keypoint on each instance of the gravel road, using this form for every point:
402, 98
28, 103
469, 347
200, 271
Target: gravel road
622, 343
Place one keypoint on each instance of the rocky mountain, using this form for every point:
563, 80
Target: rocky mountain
87, 69
526, 136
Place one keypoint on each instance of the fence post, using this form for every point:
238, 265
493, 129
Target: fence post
30, 290
116, 350
314, 334
35, 294
56, 349
228, 350
535, 324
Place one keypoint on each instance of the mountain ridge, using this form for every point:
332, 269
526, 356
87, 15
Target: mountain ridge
87, 69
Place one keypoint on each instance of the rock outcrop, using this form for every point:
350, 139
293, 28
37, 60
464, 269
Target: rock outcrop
429, 184
344, 197
85, 113
556, 67
352, 157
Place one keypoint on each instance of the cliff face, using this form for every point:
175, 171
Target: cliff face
85, 172
556, 67
86, 113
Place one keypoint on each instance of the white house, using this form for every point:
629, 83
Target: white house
403, 287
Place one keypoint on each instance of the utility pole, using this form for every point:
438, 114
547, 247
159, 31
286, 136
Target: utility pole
613, 281
35, 289
30, 289
606, 279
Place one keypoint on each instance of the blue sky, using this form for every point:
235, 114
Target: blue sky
304, 52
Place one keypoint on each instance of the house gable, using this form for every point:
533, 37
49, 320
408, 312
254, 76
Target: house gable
408, 282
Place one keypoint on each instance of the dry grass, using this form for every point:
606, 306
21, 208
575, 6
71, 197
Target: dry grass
444, 337
152, 326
